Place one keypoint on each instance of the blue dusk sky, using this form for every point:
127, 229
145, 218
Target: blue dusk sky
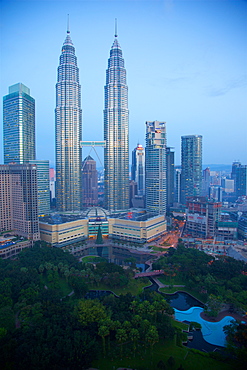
186, 64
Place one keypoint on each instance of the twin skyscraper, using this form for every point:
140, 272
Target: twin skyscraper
68, 131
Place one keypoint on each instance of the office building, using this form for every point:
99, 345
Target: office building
19, 203
68, 130
235, 165
177, 185
191, 166
43, 186
241, 181
132, 192
116, 132
138, 168
89, 182
205, 181
155, 167
170, 176
18, 125
202, 217
215, 193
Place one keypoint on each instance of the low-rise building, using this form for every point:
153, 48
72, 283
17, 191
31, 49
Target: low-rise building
10, 248
62, 230
138, 228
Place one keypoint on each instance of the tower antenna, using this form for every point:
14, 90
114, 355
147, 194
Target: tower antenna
115, 27
68, 31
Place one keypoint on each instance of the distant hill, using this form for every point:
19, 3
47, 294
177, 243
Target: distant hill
218, 167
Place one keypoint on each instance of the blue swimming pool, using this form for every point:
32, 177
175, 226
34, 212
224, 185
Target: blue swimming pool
212, 331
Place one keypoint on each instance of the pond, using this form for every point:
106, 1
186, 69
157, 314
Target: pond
182, 301
212, 332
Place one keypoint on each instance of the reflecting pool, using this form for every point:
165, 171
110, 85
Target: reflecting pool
212, 331
182, 301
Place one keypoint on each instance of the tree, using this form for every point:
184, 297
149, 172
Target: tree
134, 336
90, 311
171, 361
121, 337
103, 331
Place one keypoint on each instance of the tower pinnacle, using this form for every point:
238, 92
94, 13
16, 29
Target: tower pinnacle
68, 31
115, 27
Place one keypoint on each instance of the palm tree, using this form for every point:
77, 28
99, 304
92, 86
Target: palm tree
121, 337
103, 331
134, 336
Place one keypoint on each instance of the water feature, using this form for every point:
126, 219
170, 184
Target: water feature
182, 301
212, 331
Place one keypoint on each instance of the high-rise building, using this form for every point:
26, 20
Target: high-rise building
202, 216
68, 130
191, 166
18, 125
155, 167
43, 186
241, 180
178, 185
170, 177
19, 203
89, 182
205, 181
235, 165
116, 132
138, 168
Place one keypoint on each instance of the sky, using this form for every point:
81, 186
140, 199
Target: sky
186, 64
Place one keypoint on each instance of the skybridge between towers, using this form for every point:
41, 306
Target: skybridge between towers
93, 145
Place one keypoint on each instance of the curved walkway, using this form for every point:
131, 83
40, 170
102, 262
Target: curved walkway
161, 285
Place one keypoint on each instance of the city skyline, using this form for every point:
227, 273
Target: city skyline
185, 61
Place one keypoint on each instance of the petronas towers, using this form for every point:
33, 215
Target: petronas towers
116, 132
68, 131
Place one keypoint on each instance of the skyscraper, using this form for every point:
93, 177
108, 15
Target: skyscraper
89, 182
138, 168
116, 132
241, 180
170, 177
20, 203
68, 130
43, 186
18, 125
155, 167
191, 166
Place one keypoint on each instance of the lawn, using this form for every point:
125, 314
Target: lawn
180, 325
173, 289
134, 287
62, 287
144, 360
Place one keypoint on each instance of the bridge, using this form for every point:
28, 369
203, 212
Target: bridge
149, 274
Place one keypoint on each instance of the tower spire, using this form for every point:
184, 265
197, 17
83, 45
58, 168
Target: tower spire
115, 27
68, 31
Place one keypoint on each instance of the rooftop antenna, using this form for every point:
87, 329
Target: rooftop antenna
115, 27
68, 31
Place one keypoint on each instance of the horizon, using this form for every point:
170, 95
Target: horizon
185, 62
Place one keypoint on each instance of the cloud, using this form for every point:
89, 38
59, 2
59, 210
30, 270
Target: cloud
230, 85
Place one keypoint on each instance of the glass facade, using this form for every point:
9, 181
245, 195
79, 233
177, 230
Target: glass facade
155, 167
191, 166
138, 168
116, 132
18, 125
68, 130
43, 185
